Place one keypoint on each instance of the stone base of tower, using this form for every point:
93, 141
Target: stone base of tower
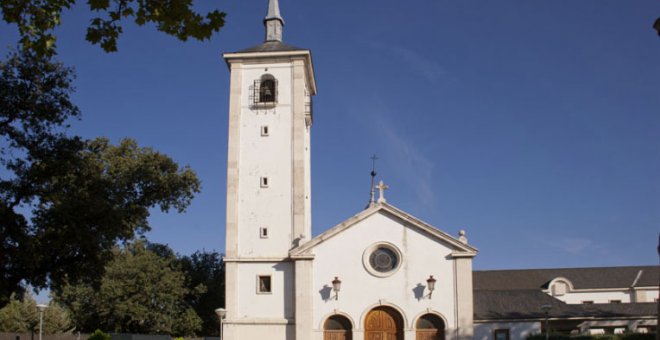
259, 329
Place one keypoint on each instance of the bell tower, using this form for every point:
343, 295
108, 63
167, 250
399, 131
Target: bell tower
268, 181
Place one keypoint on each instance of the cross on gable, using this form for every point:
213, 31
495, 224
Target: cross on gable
381, 188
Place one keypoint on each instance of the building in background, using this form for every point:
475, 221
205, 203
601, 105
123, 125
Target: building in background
508, 303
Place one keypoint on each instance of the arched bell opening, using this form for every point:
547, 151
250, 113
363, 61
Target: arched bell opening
267, 89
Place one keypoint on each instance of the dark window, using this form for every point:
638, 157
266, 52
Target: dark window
264, 284
588, 302
615, 301
501, 334
337, 322
430, 321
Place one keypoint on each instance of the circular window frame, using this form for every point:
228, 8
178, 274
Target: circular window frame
367, 254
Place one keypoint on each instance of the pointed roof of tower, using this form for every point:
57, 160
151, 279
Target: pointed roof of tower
273, 41
272, 46
273, 11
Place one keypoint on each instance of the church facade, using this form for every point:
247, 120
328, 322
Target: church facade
381, 274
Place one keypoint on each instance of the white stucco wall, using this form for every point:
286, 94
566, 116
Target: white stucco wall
650, 295
269, 207
596, 297
517, 330
342, 256
279, 304
258, 331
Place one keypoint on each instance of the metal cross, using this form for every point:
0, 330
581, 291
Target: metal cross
373, 165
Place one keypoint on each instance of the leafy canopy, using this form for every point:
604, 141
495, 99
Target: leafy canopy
206, 269
203, 291
22, 316
65, 202
37, 20
141, 292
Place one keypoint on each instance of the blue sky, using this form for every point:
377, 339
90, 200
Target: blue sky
534, 126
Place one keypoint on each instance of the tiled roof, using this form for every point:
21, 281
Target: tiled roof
516, 294
581, 278
526, 304
271, 46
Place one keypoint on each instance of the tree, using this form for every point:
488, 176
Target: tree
140, 292
37, 19
64, 201
207, 269
21, 316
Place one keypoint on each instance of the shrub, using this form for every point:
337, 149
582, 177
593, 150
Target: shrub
99, 335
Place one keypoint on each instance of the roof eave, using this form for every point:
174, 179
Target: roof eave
461, 250
231, 57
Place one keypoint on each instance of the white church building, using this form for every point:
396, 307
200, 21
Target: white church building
381, 274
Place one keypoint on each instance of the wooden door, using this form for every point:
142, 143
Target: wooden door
383, 323
336, 335
430, 334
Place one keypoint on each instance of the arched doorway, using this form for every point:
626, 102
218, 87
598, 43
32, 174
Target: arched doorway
337, 327
383, 323
430, 327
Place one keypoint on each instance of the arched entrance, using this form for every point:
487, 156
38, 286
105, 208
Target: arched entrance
337, 327
383, 323
430, 327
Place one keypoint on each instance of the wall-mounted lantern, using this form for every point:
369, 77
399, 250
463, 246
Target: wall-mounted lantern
336, 287
430, 283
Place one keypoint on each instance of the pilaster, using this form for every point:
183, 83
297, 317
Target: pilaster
299, 130
231, 290
464, 298
233, 154
304, 303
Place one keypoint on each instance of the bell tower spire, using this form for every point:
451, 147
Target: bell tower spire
273, 21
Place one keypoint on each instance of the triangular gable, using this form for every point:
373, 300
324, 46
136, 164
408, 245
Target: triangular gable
460, 249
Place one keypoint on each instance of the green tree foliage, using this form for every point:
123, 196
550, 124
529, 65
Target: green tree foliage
22, 316
99, 335
207, 269
37, 19
65, 202
141, 292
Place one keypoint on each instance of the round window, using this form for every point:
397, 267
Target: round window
382, 259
